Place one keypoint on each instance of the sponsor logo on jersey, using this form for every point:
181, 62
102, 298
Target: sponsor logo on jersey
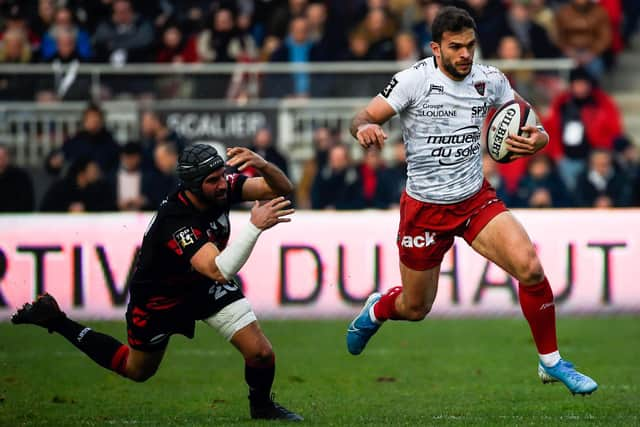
420, 241
437, 111
468, 137
387, 90
465, 135
185, 236
479, 111
435, 90
480, 87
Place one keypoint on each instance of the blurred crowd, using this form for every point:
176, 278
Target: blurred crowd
590, 162
584, 167
118, 32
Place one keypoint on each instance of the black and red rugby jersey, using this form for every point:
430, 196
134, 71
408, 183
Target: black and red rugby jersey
174, 235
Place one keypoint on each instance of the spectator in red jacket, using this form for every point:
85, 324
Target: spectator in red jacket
581, 119
176, 47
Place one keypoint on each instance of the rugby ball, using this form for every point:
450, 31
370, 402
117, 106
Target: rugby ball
507, 120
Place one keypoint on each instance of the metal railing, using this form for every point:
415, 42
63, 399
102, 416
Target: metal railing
33, 129
78, 81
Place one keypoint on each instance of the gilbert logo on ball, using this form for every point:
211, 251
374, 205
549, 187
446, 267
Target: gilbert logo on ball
507, 120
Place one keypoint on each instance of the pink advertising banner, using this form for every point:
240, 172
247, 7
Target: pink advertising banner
324, 264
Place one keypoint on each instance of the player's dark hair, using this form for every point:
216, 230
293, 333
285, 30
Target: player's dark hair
196, 162
452, 19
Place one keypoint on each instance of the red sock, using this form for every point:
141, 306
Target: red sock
385, 308
119, 360
538, 308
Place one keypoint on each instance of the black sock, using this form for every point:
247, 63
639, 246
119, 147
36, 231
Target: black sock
259, 377
99, 347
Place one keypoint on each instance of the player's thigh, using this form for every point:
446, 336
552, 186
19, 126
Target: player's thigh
141, 365
419, 287
505, 242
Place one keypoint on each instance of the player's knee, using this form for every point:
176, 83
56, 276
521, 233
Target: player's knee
415, 313
261, 355
141, 375
531, 271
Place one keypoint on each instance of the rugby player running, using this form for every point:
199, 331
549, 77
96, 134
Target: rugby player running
442, 102
185, 272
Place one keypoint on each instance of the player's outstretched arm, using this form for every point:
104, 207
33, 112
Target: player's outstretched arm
222, 266
272, 183
365, 126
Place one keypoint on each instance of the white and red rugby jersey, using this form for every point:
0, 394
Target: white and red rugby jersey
441, 125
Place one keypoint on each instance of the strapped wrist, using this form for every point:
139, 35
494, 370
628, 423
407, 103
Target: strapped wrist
233, 257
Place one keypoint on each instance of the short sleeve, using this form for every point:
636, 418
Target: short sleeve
503, 89
401, 90
183, 235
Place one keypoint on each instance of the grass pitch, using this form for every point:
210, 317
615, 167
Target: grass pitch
436, 372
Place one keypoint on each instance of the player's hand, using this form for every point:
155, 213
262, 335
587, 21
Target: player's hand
370, 135
527, 145
243, 158
266, 215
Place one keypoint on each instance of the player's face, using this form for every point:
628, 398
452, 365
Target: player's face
214, 187
455, 53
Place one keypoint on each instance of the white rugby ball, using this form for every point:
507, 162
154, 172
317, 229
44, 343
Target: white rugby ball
507, 120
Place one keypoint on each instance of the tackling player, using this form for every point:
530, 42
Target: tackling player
442, 102
185, 272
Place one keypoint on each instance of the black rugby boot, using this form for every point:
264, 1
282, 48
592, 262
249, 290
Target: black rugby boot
267, 409
44, 312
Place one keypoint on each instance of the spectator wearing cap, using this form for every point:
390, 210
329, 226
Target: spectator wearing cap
16, 186
580, 119
584, 33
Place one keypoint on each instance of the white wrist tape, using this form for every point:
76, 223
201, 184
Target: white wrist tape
233, 257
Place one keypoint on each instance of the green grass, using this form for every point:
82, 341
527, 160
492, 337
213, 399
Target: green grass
437, 372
